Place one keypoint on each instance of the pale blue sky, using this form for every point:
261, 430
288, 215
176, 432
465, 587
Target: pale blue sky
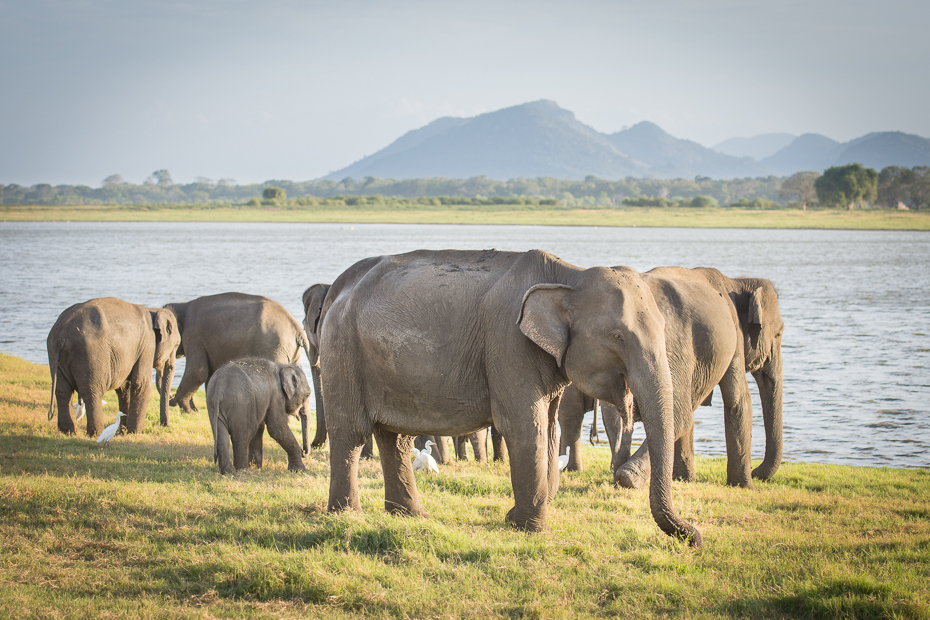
292, 90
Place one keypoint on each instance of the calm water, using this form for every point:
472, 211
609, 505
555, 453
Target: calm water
856, 304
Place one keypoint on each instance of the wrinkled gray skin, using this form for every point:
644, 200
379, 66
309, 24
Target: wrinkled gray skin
690, 300
447, 342
110, 344
220, 328
572, 408
246, 395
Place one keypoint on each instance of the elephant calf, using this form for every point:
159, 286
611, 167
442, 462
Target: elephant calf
245, 395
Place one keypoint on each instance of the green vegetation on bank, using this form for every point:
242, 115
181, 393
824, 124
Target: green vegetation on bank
424, 211
147, 528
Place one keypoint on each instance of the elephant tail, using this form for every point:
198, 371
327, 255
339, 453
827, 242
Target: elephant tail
53, 368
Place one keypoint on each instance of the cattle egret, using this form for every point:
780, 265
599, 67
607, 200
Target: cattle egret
424, 460
110, 431
78, 410
563, 460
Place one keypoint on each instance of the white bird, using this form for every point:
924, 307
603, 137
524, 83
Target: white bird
78, 410
424, 460
563, 459
110, 431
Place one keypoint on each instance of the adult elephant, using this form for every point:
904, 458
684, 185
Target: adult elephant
110, 344
220, 328
716, 329
447, 342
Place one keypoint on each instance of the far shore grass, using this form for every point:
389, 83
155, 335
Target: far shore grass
867, 219
147, 528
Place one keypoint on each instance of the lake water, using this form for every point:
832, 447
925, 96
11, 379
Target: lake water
856, 304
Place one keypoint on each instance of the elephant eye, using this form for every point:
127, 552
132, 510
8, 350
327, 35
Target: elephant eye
616, 335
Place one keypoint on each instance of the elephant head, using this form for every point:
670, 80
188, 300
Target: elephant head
313, 299
167, 342
607, 333
760, 320
295, 388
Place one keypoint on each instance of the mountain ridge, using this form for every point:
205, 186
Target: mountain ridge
541, 139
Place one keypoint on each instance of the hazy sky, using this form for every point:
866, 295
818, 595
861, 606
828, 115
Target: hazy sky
284, 89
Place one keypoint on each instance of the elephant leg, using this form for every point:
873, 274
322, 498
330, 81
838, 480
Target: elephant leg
368, 449
344, 453
571, 418
532, 456
122, 397
221, 447
240, 448
400, 486
440, 450
683, 465
458, 443
63, 393
769, 382
635, 472
737, 424
196, 373
256, 453
498, 444
281, 432
140, 393
479, 443
93, 410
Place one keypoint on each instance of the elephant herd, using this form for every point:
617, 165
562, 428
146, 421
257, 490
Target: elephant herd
449, 343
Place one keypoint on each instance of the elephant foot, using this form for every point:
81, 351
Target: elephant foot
528, 524
764, 471
745, 484
630, 477
402, 510
298, 466
316, 445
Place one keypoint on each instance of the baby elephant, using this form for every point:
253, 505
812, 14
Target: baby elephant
242, 397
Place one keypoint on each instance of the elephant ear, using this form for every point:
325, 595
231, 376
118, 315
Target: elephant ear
290, 382
756, 306
313, 308
544, 318
161, 324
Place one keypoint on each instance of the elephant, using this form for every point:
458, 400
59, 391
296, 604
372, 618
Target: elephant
693, 302
110, 344
313, 304
220, 328
244, 396
479, 444
449, 341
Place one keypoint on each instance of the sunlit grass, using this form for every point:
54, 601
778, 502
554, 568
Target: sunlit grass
146, 527
872, 219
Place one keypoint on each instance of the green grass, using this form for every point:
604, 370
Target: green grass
147, 528
870, 219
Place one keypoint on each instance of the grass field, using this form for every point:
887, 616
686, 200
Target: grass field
147, 528
877, 219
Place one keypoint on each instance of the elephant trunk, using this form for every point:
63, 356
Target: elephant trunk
769, 381
320, 437
653, 393
163, 379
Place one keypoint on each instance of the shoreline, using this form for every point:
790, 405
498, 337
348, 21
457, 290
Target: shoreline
631, 217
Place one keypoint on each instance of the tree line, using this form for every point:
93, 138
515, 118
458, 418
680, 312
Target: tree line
842, 186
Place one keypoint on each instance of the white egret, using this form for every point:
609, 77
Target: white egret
424, 460
78, 410
110, 431
563, 459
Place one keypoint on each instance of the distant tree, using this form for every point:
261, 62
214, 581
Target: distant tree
113, 179
160, 177
920, 187
275, 194
702, 202
847, 185
800, 186
203, 181
226, 182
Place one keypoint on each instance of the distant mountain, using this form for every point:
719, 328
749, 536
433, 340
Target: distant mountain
540, 139
669, 157
810, 151
757, 147
887, 148
530, 140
